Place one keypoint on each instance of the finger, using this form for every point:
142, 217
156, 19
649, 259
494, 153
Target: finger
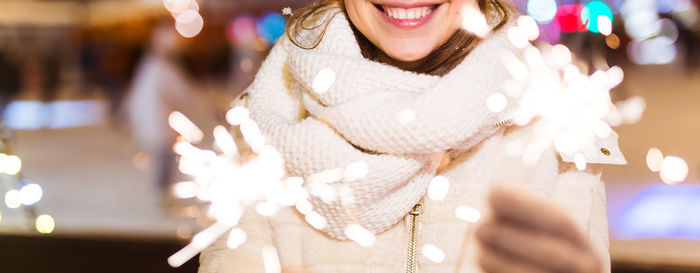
493, 261
541, 250
535, 213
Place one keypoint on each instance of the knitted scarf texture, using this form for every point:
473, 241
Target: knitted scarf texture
389, 125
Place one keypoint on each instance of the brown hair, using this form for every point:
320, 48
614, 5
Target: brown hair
439, 62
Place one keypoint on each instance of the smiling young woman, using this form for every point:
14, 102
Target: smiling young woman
392, 94
402, 33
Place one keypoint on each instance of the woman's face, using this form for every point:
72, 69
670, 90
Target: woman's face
406, 30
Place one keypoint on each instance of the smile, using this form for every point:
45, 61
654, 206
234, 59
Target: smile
407, 16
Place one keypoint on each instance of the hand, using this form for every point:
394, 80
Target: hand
526, 234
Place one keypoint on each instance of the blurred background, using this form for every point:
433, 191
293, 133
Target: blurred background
87, 172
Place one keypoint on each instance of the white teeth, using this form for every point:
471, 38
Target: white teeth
408, 14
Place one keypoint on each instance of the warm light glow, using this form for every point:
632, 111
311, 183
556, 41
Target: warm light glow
604, 25
271, 259
497, 102
438, 188
10, 164
236, 238
316, 220
45, 223
474, 21
356, 170
654, 159
30, 194
323, 81
468, 213
360, 235
185, 189
433, 253
673, 170
13, 199
580, 162
185, 127
237, 115
191, 28
407, 116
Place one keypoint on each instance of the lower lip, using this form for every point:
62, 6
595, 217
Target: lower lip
409, 23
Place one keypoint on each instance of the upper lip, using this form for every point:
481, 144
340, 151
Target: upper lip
408, 4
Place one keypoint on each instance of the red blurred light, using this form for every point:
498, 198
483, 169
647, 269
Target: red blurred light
569, 18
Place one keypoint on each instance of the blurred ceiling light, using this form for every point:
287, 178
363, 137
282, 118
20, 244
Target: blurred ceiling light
35, 115
661, 211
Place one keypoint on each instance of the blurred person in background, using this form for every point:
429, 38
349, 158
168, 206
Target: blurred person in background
400, 87
159, 87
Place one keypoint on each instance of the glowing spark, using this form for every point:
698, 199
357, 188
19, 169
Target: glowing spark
287, 11
580, 162
474, 21
438, 188
225, 141
497, 102
356, 171
604, 25
433, 253
45, 223
407, 116
183, 126
316, 220
236, 238
271, 259
199, 243
185, 189
654, 159
30, 194
13, 199
468, 213
561, 55
323, 81
360, 235
237, 115
529, 27
673, 170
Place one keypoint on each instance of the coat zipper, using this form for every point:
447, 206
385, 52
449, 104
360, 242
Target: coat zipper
413, 225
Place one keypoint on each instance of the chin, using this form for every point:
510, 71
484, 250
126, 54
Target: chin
407, 51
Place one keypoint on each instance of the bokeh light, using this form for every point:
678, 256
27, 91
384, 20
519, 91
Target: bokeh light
30, 194
569, 18
191, 28
673, 170
242, 30
270, 26
654, 159
12, 199
10, 164
591, 13
468, 213
543, 11
433, 253
45, 223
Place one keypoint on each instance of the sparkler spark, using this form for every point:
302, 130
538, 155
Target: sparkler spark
433, 253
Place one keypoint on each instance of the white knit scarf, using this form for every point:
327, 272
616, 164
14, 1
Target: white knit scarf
394, 121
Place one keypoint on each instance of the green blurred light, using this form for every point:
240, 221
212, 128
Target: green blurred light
590, 13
